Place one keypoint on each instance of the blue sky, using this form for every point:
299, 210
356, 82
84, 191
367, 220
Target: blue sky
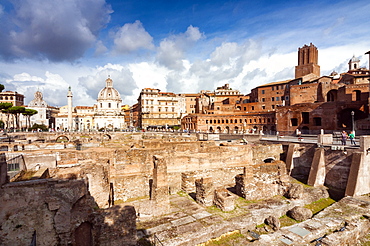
177, 46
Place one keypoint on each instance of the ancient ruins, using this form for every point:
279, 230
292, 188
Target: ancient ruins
165, 188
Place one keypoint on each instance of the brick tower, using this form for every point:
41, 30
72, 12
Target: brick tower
307, 61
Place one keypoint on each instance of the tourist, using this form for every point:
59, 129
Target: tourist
344, 138
351, 136
299, 134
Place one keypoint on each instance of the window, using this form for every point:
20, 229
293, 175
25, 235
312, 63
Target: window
263, 99
294, 122
109, 105
252, 107
273, 106
272, 99
263, 106
245, 108
277, 98
263, 91
305, 117
317, 121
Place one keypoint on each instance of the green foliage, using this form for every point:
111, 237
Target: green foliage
38, 126
319, 205
287, 221
16, 110
29, 112
227, 239
5, 106
2, 124
1, 87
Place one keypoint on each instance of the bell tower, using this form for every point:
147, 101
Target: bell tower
307, 61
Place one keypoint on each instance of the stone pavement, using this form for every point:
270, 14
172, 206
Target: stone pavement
188, 223
342, 223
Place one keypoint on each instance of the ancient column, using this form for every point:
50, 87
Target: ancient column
3, 169
70, 123
160, 190
204, 191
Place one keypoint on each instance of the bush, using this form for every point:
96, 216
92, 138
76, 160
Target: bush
35, 126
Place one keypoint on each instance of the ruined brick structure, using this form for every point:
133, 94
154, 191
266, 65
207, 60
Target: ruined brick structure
308, 103
307, 61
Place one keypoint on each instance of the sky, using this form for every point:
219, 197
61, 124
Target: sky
172, 45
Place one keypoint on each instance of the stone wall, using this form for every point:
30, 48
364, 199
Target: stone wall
61, 213
131, 168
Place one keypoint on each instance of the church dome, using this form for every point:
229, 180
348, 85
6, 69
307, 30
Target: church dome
354, 59
108, 92
38, 101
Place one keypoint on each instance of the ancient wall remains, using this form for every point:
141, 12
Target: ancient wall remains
61, 213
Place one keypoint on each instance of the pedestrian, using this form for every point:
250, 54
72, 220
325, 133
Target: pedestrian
299, 134
351, 136
344, 138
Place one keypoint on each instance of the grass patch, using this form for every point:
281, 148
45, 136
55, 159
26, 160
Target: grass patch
241, 199
319, 205
287, 221
304, 185
227, 239
261, 225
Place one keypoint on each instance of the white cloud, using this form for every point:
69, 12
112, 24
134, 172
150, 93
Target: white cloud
132, 37
100, 48
171, 50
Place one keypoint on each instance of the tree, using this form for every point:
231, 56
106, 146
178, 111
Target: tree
16, 111
4, 107
28, 113
1, 87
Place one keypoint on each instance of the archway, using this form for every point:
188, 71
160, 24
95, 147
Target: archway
219, 129
62, 139
3, 148
331, 96
345, 117
106, 137
83, 235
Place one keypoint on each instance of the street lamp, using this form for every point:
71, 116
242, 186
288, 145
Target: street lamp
353, 121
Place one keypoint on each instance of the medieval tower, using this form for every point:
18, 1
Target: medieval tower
307, 61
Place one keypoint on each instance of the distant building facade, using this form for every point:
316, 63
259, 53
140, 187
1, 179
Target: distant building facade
106, 114
309, 102
160, 110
